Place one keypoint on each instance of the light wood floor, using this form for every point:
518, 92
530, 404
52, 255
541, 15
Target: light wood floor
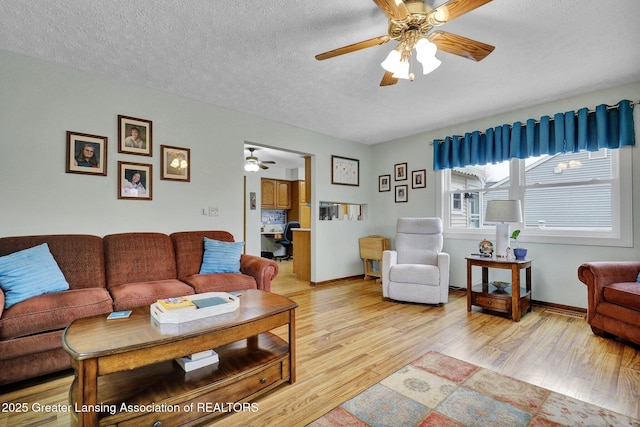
349, 337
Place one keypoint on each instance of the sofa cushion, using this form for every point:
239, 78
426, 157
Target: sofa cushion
50, 312
415, 273
189, 248
29, 273
79, 256
138, 257
221, 282
131, 295
626, 294
221, 257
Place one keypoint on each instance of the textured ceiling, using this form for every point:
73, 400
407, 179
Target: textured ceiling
258, 56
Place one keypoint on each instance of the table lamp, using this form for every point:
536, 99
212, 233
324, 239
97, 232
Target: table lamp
503, 212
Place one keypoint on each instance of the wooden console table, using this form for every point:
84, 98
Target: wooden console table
125, 373
513, 300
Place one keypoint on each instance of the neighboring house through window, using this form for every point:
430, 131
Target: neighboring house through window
575, 198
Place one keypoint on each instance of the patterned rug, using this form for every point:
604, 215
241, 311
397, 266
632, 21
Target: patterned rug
438, 390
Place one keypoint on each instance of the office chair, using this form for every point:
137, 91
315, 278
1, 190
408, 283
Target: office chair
287, 240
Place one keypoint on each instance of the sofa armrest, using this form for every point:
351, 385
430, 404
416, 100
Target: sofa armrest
262, 269
444, 261
389, 258
596, 275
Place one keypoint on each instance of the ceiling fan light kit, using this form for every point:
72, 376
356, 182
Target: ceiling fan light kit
253, 164
411, 24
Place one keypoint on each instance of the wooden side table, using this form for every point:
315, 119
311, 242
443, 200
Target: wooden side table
371, 249
512, 301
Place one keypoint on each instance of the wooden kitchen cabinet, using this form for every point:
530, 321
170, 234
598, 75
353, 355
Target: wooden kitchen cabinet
275, 194
299, 210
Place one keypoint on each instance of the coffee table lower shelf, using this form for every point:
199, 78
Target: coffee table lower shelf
163, 394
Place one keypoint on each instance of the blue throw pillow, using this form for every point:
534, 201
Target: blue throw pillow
29, 273
221, 257
638, 278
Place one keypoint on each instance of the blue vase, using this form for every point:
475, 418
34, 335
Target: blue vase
520, 253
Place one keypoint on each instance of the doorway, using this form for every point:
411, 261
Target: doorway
262, 222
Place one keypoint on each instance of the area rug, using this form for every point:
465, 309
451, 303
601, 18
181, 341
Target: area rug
438, 390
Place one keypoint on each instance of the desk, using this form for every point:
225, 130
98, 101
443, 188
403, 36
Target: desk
268, 243
510, 301
302, 253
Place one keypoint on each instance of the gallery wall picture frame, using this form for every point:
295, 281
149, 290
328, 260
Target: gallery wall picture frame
384, 183
135, 181
135, 136
419, 178
345, 171
400, 171
86, 154
402, 193
175, 163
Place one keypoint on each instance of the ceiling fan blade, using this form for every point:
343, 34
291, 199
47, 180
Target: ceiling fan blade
269, 162
263, 166
455, 8
388, 79
461, 46
394, 9
376, 41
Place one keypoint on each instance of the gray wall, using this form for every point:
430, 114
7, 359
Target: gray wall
555, 265
42, 100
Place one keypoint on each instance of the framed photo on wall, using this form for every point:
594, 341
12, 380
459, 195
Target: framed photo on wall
400, 170
402, 193
419, 178
175, 163
345, 171
134, 181
86, 154
384, 183
134, 136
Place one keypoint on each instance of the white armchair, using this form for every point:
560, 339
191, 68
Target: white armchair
418, 270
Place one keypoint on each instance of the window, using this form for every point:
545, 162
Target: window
574, 198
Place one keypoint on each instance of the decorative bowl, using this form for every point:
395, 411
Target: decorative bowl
501, 285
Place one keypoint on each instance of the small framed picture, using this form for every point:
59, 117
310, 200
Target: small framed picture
86, 153
345, 171
134, 181
401, 193
175, 163
400, 171
134, 136
384, 183
419, 178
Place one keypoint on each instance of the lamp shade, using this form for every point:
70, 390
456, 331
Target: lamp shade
503, 211
392, 61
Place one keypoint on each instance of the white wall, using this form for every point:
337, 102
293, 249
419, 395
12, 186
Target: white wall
554, 266
42, 100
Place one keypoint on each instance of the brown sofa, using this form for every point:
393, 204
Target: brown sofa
613, 298
116, 272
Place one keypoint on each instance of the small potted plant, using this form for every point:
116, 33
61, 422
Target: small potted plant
519, 252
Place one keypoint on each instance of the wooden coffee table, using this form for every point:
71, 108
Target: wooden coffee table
125, 373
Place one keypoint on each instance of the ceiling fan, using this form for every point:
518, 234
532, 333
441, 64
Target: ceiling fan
411, 24
252, 163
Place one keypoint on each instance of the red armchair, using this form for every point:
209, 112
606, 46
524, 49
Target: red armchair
613, 297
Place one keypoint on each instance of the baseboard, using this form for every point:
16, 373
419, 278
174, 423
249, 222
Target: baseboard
558, 306
341, 279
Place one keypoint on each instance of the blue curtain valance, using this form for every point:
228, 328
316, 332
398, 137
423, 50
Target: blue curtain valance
591, 130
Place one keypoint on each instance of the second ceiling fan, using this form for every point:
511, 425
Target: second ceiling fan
411, 23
